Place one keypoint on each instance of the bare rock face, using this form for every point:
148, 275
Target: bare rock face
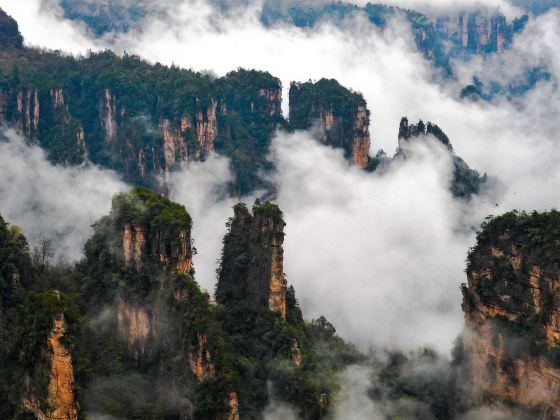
61, 402
167, 244
174, 145
362, 141
296, 354
256, 241
274, 99
341, 113
206, 127
134, 240
476, 32
135, 326
233, 405
28, 111
512, 314
61, 385
108, 115
201, 360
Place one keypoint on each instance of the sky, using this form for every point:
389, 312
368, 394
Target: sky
382, 256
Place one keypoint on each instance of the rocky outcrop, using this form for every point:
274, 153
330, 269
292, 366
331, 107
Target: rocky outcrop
201, 360
476, 32
146, 238
174, 144
512, 314
61, 401
134, 241
274, 100
466, 181
108, 115
61, 398
296, 353
135, 326
361, 142
259, 283
233, 406
28, 112
342, 115
207, 127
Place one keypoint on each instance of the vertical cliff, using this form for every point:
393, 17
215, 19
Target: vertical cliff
252, 260
342, 116
61, 399
477, 32
154, 230
512, 313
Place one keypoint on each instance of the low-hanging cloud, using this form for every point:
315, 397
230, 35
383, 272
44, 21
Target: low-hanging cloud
51, 201
378, 255
202, 188
392, 241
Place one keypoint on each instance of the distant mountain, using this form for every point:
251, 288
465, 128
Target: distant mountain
439, 38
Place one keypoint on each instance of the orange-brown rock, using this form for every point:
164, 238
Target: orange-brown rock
207, 127
296, 353
233, 405
362, 140
135, 325
342, 116
28, 109
134, 240
201, 360
174, 145
61, 398
61, 403
512, 318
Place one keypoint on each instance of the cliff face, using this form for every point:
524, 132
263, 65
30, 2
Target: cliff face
61, 386
476, 32
147, 237
342, 115
60, 401
512, 313
252, 264
201, 360
135, 326
139, 119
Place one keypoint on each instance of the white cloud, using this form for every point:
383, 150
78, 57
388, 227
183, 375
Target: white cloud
379, 255
52, 201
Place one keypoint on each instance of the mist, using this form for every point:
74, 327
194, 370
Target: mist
51, 201
382, 256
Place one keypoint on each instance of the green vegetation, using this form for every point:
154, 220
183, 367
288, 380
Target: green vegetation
244, 349
309, 102
142, 95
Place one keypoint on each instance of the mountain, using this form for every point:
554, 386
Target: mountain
466, 181
342, 116
439, 38
512, 314
127, 332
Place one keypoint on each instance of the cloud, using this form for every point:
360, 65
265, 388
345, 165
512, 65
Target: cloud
52, 201
381, 256
42, 25
202, 188
378, 255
